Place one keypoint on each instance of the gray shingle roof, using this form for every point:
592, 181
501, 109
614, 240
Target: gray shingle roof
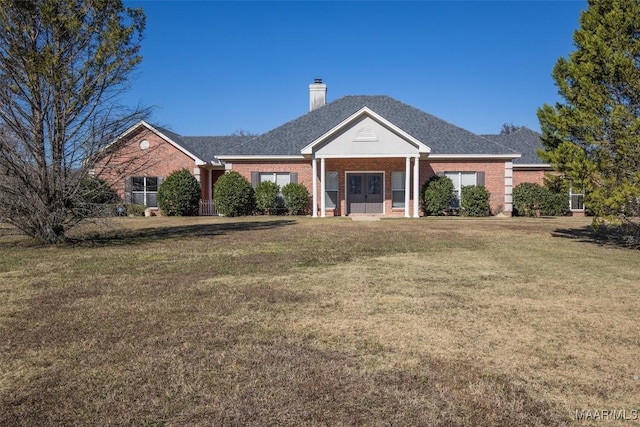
525, 141
441, 136
289, 139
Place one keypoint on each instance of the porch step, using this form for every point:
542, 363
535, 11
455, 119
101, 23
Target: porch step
365, 218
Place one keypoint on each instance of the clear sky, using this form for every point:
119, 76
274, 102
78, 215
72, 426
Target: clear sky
212, 67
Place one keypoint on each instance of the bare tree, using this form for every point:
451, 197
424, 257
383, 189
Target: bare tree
509, 128
63, 66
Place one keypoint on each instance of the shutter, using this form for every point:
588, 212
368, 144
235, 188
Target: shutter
127, 190
293, 177
480, 179
159, 181
255, 179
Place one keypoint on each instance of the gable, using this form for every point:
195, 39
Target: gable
366, 137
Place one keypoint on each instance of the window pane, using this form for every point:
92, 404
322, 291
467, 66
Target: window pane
331, 199
283, 179
152, 183
398, 199
137, 198
331, 181
455, 177
467, 178
397, 180
267, 177
137, 183
152, 200
373, 184
355, 184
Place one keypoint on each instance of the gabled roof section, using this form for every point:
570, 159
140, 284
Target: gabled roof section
171, 137
440, 136
358, 115
525, 141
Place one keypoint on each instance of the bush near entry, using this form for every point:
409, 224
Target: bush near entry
438, 193
296, 198
233, 195
475, 201
179, 194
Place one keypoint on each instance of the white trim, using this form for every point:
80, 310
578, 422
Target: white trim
323, 202
473, 156
314, 184
270, 157
365, 111
407, 177
533, 166
161, 135
416, 187
364, 156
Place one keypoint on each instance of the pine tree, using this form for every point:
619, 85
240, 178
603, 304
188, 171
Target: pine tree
593, 137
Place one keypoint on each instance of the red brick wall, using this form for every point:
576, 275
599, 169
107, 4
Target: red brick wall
494, 174
160, 159
520, 176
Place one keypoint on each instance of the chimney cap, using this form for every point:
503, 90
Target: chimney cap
318, 81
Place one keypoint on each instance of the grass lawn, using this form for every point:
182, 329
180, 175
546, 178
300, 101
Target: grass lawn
293, 321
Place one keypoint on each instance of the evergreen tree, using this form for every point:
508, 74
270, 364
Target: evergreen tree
593, 137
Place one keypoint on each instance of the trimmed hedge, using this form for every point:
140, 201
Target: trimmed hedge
475, 201
179, 194
438, 192
530, 199
233, 195
267, 200
296, 198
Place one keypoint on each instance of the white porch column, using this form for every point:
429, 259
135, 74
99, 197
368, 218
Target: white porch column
210, 191
323, 212
407, 174
416, 186
314, 184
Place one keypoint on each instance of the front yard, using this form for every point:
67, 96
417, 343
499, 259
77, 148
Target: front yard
294, 321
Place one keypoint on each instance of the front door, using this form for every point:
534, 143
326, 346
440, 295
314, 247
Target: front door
364, 193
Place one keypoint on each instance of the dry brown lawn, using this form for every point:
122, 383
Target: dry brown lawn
295, 321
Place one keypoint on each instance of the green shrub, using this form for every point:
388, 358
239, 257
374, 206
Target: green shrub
135, 210
96, 191
530, 199
438, 193
296, 198
233, 195
179, 194
475, 200
267, 200
554, 204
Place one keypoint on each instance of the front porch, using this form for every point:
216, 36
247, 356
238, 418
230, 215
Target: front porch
384, 186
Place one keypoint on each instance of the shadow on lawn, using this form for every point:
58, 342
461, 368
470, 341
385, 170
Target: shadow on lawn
131, 237
605, 236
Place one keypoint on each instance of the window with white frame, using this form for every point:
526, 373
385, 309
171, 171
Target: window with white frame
280, 178
144, 190
462, 179
397, 189
331, 190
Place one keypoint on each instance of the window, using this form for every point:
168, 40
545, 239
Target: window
144, 190
462, 179
280, 178
331, 190
397, 189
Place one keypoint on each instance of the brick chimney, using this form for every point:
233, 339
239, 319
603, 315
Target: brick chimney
317, 94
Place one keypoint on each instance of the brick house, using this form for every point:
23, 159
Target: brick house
356, 155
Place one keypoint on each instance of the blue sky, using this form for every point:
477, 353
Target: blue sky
212, 67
